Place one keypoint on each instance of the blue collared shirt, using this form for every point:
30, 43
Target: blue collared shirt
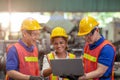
106, 56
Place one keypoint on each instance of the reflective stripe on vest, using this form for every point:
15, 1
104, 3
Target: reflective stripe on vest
51, 56
89, 57
31, 59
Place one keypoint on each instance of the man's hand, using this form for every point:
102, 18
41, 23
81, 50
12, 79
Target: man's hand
35, 78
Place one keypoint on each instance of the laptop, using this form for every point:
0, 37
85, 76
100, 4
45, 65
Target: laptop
62, 67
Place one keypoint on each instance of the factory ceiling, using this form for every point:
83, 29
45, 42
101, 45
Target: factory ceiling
60, 5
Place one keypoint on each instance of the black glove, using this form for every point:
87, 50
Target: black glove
35, 78
64, 76
70, 77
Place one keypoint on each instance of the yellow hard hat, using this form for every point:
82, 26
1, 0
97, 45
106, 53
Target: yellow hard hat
86, 25
30, 24
58, 32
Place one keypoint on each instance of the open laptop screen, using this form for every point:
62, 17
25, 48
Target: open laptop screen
67, 67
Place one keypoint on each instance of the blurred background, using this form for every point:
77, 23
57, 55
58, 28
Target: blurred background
64, 13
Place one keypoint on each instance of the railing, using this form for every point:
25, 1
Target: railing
4, 44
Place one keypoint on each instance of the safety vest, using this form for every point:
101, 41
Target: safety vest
90, 58
51, 56
28, 61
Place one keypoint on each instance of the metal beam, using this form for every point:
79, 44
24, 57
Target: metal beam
60, 5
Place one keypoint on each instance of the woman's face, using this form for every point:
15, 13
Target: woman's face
59, 44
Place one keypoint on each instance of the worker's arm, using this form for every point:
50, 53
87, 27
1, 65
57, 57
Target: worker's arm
105, 61
47, 72
19, 76
12, 64
46, 69
101, 69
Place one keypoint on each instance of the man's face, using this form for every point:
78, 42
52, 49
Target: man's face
32, 36
91, 37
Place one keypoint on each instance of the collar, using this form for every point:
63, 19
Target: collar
57, 57
97, 43
30, 49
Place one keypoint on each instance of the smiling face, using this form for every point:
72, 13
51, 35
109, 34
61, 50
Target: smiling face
30, 37
59, 44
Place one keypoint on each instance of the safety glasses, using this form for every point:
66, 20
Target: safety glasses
91, 33
33, 34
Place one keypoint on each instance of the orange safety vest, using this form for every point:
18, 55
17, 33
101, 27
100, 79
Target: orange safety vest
51, 56
28, 61
90, 58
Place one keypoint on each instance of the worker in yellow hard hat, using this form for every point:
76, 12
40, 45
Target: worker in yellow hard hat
59, 40
22, 57
99, 53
